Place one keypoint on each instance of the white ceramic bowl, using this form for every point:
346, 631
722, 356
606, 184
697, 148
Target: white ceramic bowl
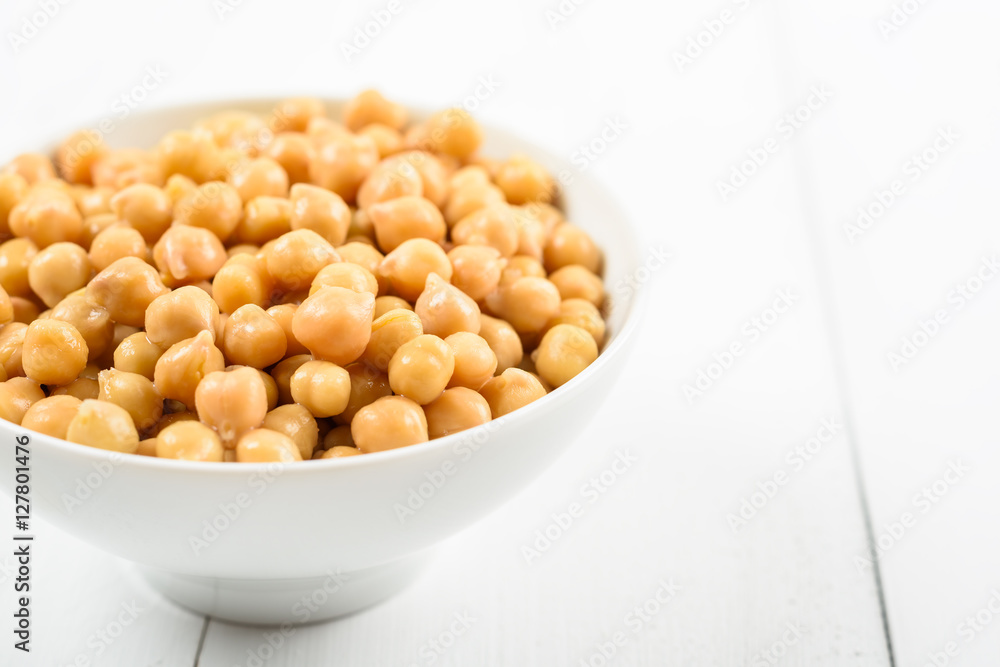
247, 542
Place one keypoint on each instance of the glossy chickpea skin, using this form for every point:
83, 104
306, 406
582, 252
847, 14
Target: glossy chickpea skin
103, 425
179, 315
403, 218
475, 361
259, 177
392, 178
341, 163
146, 208
265, 218
321, 387
352, 311
503, 341
189, 441
12, 348
320, 211
13, 189
421, 368
370, 107
115, 242
512, 389
389, 423
384, 304
339, 452
577, 282
136, 354
232, 402
32, 167
46, 217
293, 151
215, 206
527, 303
581, 313
91, 320
54, 352
457, 409
187, 254
408, 266
263, 445
389, 332
298, 423
284, 314
494, 226
293, 259
17, 395
568, 245
453, 132
240, 282
344, 274
181, 368
444, 309
563, 353
51, 415
15, 257
253, 338
523, 181
125, 289
135, 393
476, 269
57, 270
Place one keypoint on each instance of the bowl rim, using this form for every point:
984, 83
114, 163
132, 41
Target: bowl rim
614, 348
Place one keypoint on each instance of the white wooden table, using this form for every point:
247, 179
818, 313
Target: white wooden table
810, 499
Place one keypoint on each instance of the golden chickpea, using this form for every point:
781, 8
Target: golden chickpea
494, 226
282, 375
147, 447
321, 387
125, 289
408, 266
215, 206
92, 201
367, 385
476, 269
389, 423
295, 113
263, 445
46, 217
453, 132
342, 163
136, 354
511, 390
370, 107
6, 308
433, 175
339, 452
264, 219
260, 177
186, 254
181, 368
576, 282
568, 244
387, 140
13, 188
57, 270
234, 128
135, 393
581, 313
390, 179
469, 175
389, 332
503, 340
293, 151
25, 310
242, 249
121, 168
51, 415
444, 309
189, 441
520, 266
232, 402
403, 218
335, 324
527, 303
361, 228
114, 242
346, 275
284, 314
193, 155
475, 361
240, 283
92, 321
367, 256
523, 180
54, 352
12, 348
531, 232
339, 436
15, 257
81, 388
178, 187
32, 167
455, 410
564, 352
297, 423
179, 315
17, 395
384, 304
253, 338
294, 259
421, 368
105, 426
146, 208
464, 201
77, 153
321, 211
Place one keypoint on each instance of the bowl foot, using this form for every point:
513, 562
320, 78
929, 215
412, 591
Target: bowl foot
287, 601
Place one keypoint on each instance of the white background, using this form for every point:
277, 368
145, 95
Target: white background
791, 587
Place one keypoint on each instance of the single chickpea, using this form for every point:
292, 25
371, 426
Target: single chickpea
581, 313
503, 340
421, 368
114, 242
253, 338
126, 288
105, 426
389, 332
17, 395
475, 361
387, 140
180, 314
511, 390
136, 354
46, 217
527, 303
520, 266
345, 314
453, 132
321, 211
389, 423
239, 283
342, 163
367, 256
25, 310
215, 206
469, 175
367, 385
76, 155
284, 314
339, 452
264, 219
146, 208
186, 254
444, 309
293, 151
92, 201
476, 269
32, 167
12, 348
466, 200
193, 155
178, 187
263, 445
57, 270
54, 352
51, 415
181, 368
81, 388
346, 275
91, 320
13, 188
494, 226
564, 352
232, 402
260, 177
189, 441
531, 232
384, 304
568, 244
294, 259
361, 228
408, 266
433, 175
321, 387
135, 393
15, 257
121, 168
339, 436
370, 107
403, 218
94, 225
390, 179
282, 375
295, 113
457, 409
523, 181
242, 249
297, 423
576, 282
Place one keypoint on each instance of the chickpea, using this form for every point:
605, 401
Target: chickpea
296, 112
179, 315
253, 338
57, 270
92, 201
114, 242
179, 370
136, 354
12, 348
387, 140
237, 129
126, 288
239, 283
54, 352
215, 206
576, 282
455, 410
464, 201
15, 257
81, 388
421, 368
494, 226
367, 385
146, 208
92, 321
475, 361
531, 232
178, 187
346, 275
122, 168
511, 390
77, 153
264, 219
13, 188
17, 395
6, 308
444, 309
32, 167
389, 332
476, 269
370, 107
361, 228
51, 415
384, 304
520, 266
389, 423
105, 426
46, 217
282, 375
564, 352
297, 423
390, 179
321, 387
581, 313
527, 303
568, 244
263, 445
294, 259
404, 218
193, 155
189, 441
293, 151
339, 436
367, 256
523, 181
321, 211
284, 314
232, 402
453, 132
408, 266
173, 418
341, 163
186, 254
339, 452
433, 175
503, 340
335, 324
135, 393
468, 176
260, 177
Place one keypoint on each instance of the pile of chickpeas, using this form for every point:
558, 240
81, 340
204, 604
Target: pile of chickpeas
287, 286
